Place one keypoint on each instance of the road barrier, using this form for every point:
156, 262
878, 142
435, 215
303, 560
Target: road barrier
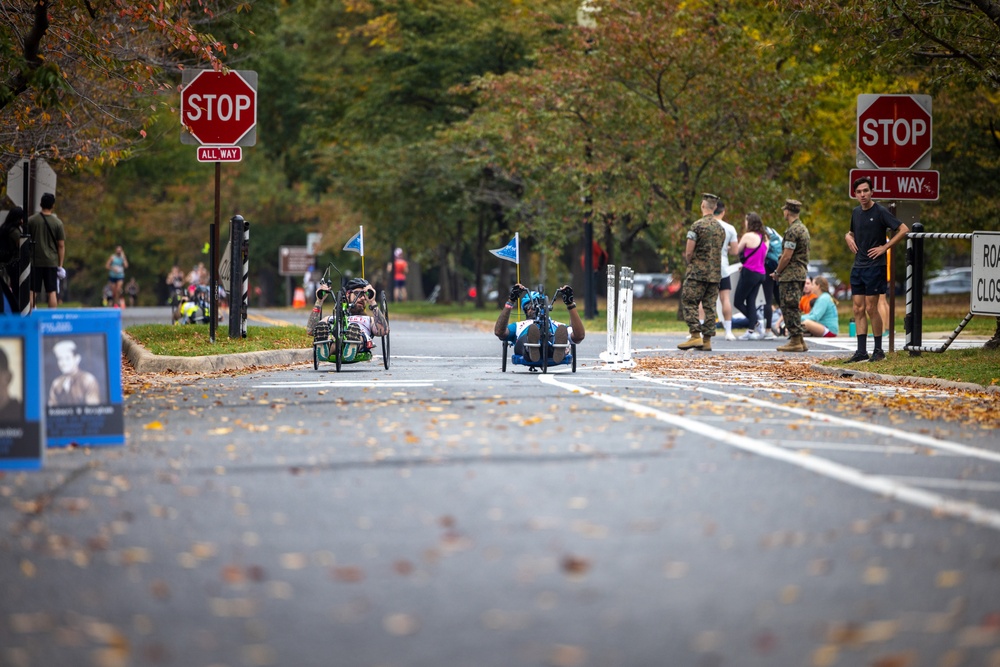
619, 338
913, 321
239, 282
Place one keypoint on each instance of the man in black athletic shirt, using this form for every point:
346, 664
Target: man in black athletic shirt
866, 240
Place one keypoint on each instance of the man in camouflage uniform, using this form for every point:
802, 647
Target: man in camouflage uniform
791, 275
701, 282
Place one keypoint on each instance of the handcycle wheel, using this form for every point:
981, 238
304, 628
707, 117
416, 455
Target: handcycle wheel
384, 305
503, 359
315, 357
572, 350
338, 330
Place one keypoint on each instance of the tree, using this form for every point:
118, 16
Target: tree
80, 80
657, 102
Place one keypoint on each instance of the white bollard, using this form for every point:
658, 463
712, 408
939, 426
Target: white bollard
610, 346
619, 346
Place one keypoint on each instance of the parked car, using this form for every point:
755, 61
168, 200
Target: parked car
651, 285
959, 283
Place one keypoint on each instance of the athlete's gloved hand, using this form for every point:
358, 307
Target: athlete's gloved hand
322, 291
567, 294
516, 292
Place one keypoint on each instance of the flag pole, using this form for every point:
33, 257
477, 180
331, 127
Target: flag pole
517, 263
362, 232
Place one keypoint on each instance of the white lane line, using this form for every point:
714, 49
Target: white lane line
369, 384
866, 449
916, 438
876, 484
942, 483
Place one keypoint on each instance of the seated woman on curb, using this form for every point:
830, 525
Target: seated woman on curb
822, 319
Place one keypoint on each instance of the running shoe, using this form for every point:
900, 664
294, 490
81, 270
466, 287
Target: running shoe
858, 356
877, 355
730, 335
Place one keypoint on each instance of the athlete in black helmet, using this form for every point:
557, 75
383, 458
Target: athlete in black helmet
361, 328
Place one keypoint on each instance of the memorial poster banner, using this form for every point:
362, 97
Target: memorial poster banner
82, 377
22, 424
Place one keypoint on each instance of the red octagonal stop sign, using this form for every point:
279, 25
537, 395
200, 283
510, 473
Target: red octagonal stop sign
894, 131
218, 108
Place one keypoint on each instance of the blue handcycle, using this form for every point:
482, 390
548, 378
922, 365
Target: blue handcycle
541, 306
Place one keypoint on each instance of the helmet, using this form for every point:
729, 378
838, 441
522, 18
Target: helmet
356, 283
528, 298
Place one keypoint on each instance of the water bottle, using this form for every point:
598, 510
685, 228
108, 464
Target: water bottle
853, 328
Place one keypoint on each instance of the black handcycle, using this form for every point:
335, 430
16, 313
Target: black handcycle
539, 303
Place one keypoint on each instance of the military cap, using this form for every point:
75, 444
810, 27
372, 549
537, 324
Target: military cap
709, 196
793, 205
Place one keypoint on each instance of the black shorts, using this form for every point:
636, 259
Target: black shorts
44, 276
725, 284
868, 281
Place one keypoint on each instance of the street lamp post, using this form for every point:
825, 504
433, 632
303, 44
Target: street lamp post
585, 19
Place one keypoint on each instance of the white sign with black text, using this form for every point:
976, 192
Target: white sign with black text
985, 273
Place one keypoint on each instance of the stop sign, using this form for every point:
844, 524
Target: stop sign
218, 108
894, 131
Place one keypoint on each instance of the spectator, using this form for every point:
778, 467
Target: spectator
10, 248
705, 240
869, 223
791, 275
822, 319
47, 270
132, 291
399, 267
752, 250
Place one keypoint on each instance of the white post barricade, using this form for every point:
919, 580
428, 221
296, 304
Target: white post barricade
619, 349
611, 312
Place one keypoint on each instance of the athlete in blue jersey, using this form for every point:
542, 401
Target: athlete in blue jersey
527, 331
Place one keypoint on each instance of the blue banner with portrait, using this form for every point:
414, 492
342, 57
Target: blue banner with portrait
81, 353
22, 423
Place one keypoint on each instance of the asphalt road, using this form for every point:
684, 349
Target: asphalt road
715, 510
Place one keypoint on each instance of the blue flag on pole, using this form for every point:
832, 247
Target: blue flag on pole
510, 252
357, 242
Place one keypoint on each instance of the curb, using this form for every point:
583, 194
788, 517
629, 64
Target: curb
930, 382
144, 361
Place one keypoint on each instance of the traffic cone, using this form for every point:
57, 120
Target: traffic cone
299, 298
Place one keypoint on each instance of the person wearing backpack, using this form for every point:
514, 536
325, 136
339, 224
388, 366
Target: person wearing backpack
47, 270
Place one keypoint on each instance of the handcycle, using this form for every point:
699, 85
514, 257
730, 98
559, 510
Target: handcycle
334, 342
541, 307
194, 310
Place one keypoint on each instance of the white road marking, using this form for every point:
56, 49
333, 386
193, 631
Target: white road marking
866, 449
368, 384
876, 484
917, 438
944, 483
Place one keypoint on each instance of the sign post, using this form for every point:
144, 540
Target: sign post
894, 140
218, 113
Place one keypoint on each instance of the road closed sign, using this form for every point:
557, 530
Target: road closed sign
986, 273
